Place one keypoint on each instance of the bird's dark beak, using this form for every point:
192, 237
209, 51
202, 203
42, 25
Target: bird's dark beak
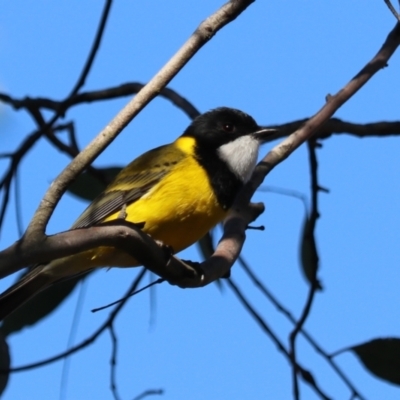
266, 134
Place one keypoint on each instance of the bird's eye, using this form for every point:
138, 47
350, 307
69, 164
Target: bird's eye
228, 127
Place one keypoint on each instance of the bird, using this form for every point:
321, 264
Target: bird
176, 193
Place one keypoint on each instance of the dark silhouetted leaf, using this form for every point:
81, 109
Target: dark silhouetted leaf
88, 186
4, 363
381, 357
309, 254
39, 306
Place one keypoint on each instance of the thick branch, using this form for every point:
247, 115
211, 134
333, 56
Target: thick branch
119, 233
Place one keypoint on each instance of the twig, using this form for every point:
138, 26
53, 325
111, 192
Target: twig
113, 362
94, 49
16, 157
149, 392
286, 192
392, 9
71, 149
312, 220
336, 126
18, 208
71, 338
151, 284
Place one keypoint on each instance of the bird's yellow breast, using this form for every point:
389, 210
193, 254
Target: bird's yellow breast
178, 210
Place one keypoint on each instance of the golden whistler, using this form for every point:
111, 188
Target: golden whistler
178, 192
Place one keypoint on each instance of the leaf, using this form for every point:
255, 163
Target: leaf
4, 363
381, 357
309, 253
88, 186
39, 306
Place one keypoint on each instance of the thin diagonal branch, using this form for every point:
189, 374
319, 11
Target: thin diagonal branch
392, 9
202, 35
150, 392
16, 157
71, 338
312, 220
113, 363
336, 126
94, 49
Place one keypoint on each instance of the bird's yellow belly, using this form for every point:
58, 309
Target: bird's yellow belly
176, 212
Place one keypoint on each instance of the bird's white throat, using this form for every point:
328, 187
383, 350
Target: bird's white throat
241, 156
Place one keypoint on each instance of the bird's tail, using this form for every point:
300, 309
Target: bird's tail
28, 286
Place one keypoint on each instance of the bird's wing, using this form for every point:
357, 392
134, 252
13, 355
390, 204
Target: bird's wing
131, 184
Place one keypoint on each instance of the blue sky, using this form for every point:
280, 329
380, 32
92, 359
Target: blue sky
277, 62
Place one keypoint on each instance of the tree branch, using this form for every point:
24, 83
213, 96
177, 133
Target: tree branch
392, 9
126, 89
93, 51
335, 126
312, 221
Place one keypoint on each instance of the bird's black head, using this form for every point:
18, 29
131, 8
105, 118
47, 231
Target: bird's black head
221, 125
226, 146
